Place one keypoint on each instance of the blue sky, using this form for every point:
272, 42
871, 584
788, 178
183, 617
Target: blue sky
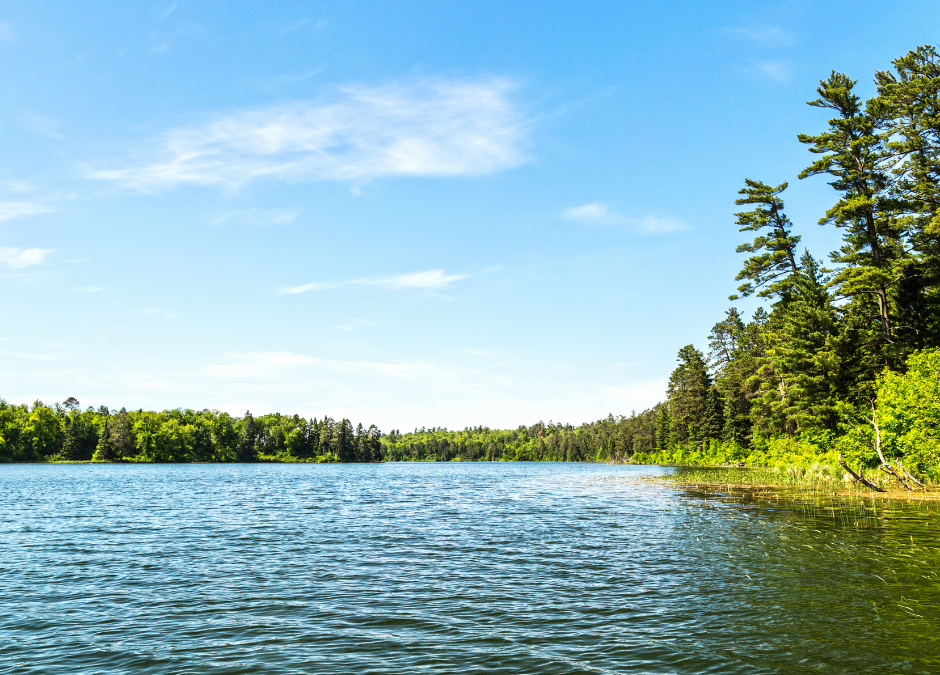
409, 213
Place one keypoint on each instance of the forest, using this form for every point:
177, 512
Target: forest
841, 364
64, 432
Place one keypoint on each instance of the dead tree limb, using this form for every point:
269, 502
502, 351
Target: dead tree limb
909, 476
884, 462
857, 476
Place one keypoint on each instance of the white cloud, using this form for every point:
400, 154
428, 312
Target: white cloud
595, 211
428, 128
599, 213
258, 217
430, 279
654, 224
6, 32
11, 210
22, 257
313, 286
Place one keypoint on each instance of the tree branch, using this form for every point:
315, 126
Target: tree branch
859, 477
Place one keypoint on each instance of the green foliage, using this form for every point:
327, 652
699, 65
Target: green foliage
909, 412
65, 433
835, 363
614, 439
689, 388
768, 271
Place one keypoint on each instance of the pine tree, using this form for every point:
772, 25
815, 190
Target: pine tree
313, 437
105, 451
361, 444
688, 392
810, 353
345, 448
70, 442
327, 430
911, 97
855, 157
731, 345
375, 444
769, 270
122, 435
247, 441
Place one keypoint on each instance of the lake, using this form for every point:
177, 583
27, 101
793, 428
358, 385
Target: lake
439, 568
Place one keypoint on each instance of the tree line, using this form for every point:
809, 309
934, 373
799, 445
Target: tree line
609, 439
64, 432
817, 372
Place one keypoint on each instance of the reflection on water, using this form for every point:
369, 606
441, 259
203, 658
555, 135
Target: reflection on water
507, 568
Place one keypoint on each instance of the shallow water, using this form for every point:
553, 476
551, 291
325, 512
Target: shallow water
408, 568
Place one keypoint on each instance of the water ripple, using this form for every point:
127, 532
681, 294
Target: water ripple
471, 568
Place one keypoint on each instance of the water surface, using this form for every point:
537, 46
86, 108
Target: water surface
436, 568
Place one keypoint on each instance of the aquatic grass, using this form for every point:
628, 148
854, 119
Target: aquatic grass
815, 491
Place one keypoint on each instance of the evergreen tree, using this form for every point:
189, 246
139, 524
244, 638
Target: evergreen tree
809, 355
769, 270
361, 444
731, 346
248, 438
122, 435
105, 451
314, 437
70, 442
854, 155
327, 429
375, 444
688, 390
345, 447
911, 97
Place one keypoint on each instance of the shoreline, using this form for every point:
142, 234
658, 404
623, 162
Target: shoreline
810, 482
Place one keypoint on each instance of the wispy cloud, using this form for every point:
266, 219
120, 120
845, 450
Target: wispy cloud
593, 212
22, 257
763, 36
43, 126
6, 32
257, 217
166, 11
429, 280
778, 71
657, 224
427, 128
598, 213
11, 210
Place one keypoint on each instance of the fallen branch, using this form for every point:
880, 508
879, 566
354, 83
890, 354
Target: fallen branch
884, 462
858, 476
910, 477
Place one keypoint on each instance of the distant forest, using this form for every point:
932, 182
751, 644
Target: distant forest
843, 365
64, 432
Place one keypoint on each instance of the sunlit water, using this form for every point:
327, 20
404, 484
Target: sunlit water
436, 568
